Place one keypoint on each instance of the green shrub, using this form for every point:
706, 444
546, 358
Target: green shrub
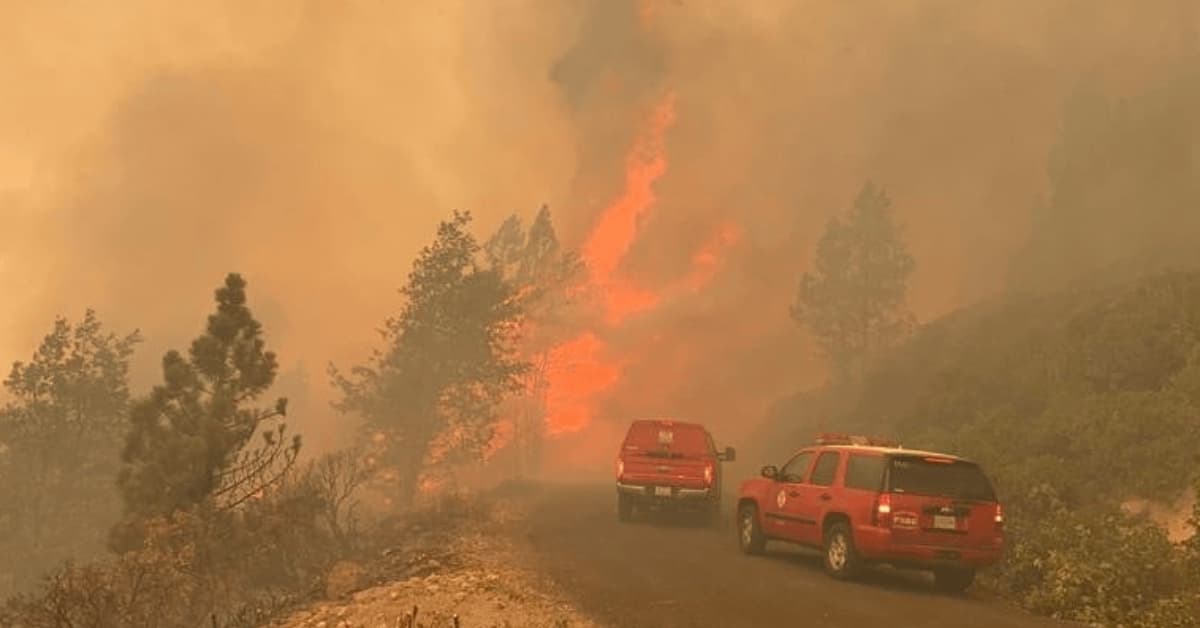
1073, 403
1097, 566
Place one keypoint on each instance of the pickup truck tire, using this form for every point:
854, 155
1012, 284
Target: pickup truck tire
751, 539
841, 557
624, 509
953, 581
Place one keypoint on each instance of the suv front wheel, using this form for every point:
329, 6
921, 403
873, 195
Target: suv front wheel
751, 539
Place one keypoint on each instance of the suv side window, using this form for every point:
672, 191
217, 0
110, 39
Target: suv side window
864, 472
825, 469
794, 471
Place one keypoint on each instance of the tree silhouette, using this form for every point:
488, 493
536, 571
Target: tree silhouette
60, 438
188, 439
542, 272
448, 358
854, 300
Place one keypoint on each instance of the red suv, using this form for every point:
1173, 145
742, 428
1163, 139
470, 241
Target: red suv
669, 465
865, 501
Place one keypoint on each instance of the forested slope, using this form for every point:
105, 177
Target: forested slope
1074, 402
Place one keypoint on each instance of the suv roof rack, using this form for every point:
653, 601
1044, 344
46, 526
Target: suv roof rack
833, 438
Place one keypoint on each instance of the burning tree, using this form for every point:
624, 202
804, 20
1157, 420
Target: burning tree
188, 442
543, 273
449, 359
854, 300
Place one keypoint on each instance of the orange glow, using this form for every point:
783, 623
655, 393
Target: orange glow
429, 486
623, 299
706, 261
646, 12
582, 373
501, 438
585, 368
617, 228
582, 369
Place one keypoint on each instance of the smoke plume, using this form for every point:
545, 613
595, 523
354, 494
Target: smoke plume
146, 150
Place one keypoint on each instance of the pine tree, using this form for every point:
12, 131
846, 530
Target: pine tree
449, 357
189, 442
854, 301
505, 248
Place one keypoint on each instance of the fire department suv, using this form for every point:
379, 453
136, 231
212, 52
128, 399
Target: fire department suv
866, 501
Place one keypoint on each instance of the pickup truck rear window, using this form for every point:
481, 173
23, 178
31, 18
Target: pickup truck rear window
650, 438
955, 479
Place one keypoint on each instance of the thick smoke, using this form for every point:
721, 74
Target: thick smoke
311, 149
145, 151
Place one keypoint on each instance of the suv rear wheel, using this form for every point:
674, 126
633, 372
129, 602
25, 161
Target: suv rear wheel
841, 558
750, 535
953, 580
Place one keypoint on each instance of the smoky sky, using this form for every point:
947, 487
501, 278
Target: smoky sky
148, 149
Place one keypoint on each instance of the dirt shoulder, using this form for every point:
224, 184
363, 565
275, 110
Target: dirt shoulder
466, 568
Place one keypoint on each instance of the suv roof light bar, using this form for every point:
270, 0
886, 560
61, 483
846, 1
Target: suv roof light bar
833, 438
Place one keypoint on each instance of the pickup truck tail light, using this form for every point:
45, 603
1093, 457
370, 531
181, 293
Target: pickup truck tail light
882, 515
708, 475
620, 469
999, 517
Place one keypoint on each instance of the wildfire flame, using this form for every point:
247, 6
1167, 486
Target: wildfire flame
617, 229
584, 367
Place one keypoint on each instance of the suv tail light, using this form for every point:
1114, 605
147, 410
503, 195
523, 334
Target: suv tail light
708, 474
999, 516
883, 510
620, 468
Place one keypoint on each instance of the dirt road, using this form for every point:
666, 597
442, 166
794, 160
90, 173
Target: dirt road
666, 574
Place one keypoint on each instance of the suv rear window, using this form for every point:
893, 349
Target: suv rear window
954, 479
671, 440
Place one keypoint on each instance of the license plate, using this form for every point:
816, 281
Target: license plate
945, 522
662, 491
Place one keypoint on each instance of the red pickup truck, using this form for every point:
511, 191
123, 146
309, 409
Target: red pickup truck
670, 465
864, 501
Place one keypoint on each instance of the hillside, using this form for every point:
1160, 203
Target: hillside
1075, 402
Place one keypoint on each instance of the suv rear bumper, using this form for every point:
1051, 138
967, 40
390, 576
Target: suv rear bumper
678, 494
877, 545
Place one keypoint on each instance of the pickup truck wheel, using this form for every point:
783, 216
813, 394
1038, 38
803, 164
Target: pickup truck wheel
750, 535
624, 509
841, 558
953, 580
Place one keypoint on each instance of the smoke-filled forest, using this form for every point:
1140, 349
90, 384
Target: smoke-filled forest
286, 279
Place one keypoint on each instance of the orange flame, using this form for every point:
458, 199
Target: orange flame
582, 372
583, 367
617, 229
